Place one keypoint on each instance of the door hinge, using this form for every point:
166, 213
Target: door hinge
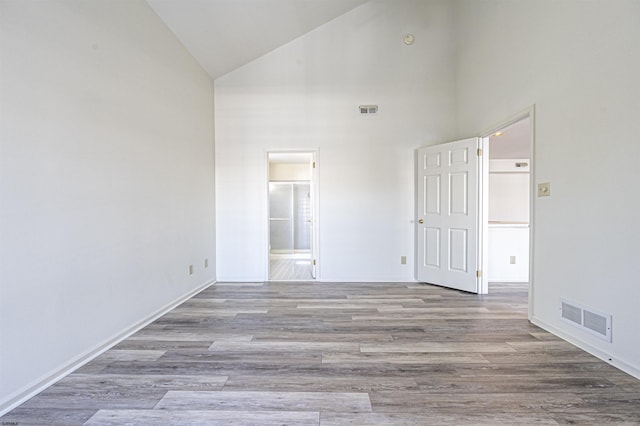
478, 274
479, 151
314, 164
314, 262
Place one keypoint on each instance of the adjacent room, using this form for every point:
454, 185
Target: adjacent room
291, 211
210, 212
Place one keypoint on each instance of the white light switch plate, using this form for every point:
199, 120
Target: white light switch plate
544, 189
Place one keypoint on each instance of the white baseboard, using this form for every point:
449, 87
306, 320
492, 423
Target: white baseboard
241, 280
323, 280
364, 280
38, 385
620, 364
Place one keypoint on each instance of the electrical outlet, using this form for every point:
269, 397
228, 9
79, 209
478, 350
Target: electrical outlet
512, 260
403, 260
206, 263
190, 269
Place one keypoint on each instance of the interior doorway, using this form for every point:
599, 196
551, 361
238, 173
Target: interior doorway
292, 216
509, 204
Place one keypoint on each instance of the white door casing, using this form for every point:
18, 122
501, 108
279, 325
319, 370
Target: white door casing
449, 215
309, 158
312, 223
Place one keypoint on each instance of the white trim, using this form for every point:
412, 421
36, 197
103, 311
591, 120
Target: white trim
527, 112
400, 281
38, 385
483, 216
532, 204
620, 364
240, 280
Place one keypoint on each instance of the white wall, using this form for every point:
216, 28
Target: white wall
508, 239
509, 197
508, 253
305, 96
578, 62
107, 183
289, 171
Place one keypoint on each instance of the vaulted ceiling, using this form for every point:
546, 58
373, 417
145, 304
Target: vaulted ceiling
225, 34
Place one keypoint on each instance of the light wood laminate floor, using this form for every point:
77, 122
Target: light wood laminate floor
287, 353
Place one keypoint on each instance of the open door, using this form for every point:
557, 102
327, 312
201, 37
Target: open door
449, 215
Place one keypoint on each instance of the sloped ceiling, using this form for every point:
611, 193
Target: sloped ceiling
515, 142
225, 34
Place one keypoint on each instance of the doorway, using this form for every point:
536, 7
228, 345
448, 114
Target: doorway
458, 199
291, 216
509, 205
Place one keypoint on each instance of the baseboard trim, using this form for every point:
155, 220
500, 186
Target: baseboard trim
49, 379
320, 280
587, 347
378, 280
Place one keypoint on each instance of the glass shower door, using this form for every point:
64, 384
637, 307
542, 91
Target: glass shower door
281, 218
289, 231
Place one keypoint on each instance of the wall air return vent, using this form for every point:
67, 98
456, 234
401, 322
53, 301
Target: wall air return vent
368, 109
597, 323
571, 313
587, 319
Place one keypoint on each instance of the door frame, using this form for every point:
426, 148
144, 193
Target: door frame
526, 113
315, 208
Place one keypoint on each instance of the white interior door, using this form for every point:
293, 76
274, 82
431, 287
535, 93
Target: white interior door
449, 215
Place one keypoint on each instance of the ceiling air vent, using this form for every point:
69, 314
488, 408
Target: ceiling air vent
587, 319
368, 109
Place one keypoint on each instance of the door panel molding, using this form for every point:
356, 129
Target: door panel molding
448, 251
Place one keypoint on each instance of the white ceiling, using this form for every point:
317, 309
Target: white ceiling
225, 34
514, 143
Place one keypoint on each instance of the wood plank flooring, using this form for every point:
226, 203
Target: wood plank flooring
309, 353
